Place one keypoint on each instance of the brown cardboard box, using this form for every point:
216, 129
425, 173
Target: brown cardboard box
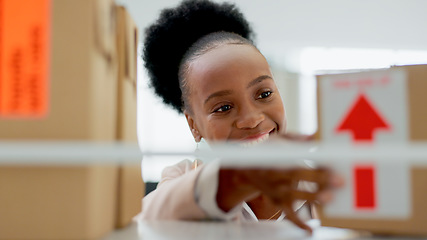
415, 130
57, 202
417, 84
83, 76
131, 187
88, 100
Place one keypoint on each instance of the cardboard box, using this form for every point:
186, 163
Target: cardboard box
81, 80
374, 108
82, 95
57, 202
132, 189
411, 94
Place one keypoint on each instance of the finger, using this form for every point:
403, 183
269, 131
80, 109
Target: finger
272, 176
302, 195
291, 215
325, 197
280, 198
333, 181
281, 176
321, 176
263, 179
337, 181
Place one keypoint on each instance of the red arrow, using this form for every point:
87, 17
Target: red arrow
364, 186
363, 119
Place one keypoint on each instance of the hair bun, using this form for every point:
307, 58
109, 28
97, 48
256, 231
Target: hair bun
168, 39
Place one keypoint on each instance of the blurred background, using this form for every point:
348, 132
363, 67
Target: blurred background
299, 39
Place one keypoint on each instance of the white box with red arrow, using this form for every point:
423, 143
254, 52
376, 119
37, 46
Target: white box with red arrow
372, 108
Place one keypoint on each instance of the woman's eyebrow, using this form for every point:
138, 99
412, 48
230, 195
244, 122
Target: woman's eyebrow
218, 94
258, 80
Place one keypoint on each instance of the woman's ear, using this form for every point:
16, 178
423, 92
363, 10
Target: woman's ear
193, 126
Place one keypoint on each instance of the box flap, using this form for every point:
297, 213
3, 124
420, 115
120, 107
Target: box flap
104, 28
131, 187
417, 84
127, 40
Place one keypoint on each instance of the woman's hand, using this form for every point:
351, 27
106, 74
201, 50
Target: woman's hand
279, 185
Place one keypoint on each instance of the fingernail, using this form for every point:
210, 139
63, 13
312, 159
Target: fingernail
337, 181
324, 197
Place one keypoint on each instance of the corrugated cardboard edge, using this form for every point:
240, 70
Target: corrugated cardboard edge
130, 185
318, 134
104, 76
416, 86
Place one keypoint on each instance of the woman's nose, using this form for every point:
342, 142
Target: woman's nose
250, 118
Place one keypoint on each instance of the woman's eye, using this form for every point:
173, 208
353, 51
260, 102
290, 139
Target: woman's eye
223, 108
265, 94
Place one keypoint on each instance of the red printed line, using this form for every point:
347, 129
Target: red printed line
364, 187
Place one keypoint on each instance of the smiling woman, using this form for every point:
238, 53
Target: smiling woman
202, 62
240, 100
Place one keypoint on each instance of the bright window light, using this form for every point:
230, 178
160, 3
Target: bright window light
160, 129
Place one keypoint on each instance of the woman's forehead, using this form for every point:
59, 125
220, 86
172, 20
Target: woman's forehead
227, 64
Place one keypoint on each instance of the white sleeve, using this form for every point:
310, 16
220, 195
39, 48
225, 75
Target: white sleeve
206, 190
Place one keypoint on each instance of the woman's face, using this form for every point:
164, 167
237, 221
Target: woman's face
233, 96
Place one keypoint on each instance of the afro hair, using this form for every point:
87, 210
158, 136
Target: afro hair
175, 31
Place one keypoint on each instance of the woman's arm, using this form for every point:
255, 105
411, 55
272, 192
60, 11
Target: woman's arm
174, 196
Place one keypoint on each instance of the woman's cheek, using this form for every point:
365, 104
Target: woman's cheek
220, 130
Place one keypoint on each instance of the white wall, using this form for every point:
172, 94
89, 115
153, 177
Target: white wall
335, 23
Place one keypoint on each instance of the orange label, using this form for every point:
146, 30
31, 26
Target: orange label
24, 58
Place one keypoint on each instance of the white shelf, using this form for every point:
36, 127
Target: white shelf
68, 153
272, 154
272, 230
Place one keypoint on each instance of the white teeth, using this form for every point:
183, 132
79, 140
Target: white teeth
256, 141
